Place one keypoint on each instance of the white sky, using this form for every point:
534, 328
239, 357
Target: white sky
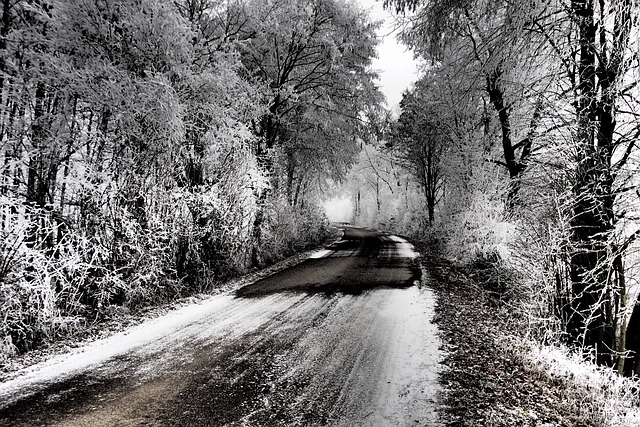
339, 209
395, 62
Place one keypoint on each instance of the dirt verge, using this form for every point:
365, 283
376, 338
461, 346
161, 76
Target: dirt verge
484, 382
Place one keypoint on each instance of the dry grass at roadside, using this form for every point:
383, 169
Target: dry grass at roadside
494, 377
611, 398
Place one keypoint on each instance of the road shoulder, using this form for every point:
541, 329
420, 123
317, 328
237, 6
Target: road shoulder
485, 379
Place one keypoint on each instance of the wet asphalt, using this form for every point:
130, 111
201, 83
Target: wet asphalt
342, 339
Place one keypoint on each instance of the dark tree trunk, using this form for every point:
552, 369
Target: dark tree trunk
7, 5
496, 97
378, 201
428, 163
256, 235
632, 364
515, 166
595, 280
296, 197
427, 188
36, 182
193, 169
292, 195
586, 323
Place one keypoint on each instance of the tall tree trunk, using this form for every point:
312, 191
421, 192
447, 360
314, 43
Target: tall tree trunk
291, 169
35, 173
296, 197
256, 236
427, 189
7, 5
74, 131
378, 201
590, 316
515, 166
496, 97
632, 342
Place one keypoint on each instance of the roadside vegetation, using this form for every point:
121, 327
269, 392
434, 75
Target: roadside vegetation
151, 149
497, 376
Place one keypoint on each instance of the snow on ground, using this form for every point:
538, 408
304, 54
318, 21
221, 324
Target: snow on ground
220, 315
405, 249
382, 350
321, 254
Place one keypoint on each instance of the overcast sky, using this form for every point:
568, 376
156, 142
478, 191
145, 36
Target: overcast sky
395, 63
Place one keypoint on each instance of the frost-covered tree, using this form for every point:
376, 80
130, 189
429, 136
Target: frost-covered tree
419, 141
560, 79
313, 59
132, 166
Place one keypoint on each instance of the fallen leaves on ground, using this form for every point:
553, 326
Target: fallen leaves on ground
486, 383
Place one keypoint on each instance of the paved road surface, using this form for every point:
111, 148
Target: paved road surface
342, 339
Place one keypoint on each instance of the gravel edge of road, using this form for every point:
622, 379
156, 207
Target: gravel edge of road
124, 319
485, 379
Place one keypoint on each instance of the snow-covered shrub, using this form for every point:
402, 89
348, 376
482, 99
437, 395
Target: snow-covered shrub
289, 229
215, 238
7, 349
219, 240
480, 231
27, 302
611, 400
148, 271
541, 256
35, 274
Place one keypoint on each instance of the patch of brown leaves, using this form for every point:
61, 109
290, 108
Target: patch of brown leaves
484, 383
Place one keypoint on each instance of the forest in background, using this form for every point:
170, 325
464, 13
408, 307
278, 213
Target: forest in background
516, 151
150, 148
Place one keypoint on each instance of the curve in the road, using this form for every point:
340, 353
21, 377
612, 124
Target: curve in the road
362, 260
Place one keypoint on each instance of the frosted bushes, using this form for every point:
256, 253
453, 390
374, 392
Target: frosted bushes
147, 270
27, 310
57, 285
7, 349
57, 276
604, 398
33, 281
289, 229
221, 215
219, 239
541, 256
479, 231
411, 220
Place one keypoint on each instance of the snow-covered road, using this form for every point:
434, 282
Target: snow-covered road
343, 339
